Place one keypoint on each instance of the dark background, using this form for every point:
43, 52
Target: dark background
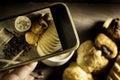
88, 16
90, 1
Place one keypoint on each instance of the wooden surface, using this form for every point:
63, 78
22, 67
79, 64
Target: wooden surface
88, 19
85, 15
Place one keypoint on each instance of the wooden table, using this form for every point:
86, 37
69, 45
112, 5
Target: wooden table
88, 19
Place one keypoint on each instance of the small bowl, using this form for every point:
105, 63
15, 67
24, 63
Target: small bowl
55, 61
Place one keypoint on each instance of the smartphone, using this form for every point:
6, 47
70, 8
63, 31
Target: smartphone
36, 35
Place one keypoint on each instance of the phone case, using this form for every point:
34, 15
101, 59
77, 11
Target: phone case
24, 39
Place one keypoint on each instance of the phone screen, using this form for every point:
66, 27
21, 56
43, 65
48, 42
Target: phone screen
27, 37
64, 26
